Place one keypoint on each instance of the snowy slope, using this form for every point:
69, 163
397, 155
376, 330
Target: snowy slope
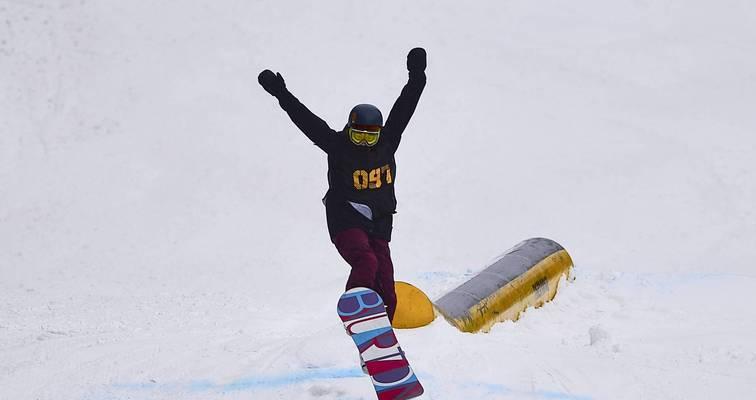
161, 234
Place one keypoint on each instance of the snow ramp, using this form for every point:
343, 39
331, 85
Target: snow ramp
527, 275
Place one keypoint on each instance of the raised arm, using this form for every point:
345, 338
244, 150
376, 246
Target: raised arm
310, 124
405, 105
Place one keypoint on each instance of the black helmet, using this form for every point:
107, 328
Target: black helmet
365, 115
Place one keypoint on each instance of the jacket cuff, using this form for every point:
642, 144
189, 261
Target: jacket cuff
286, 99
417, 75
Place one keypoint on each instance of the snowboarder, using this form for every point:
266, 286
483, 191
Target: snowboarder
360, 201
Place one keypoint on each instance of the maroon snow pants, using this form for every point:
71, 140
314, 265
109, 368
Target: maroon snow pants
370, 259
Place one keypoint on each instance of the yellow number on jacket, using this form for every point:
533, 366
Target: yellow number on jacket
373, 179
360, 179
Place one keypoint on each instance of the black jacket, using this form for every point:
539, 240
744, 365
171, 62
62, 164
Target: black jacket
359, 174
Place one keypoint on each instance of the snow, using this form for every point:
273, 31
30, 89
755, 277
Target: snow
162, 237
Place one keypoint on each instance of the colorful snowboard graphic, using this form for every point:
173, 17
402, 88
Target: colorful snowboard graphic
365, 320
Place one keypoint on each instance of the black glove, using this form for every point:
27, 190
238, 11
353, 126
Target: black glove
273, 84
416, 60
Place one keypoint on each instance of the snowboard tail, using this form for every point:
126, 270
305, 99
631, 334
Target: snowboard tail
364, 316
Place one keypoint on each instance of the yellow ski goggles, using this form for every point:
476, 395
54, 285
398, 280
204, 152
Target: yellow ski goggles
364, 135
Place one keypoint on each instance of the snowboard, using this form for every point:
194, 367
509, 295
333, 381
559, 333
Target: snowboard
364, 316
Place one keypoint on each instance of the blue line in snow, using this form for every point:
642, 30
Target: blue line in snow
314, 374
290, 379
251, 383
